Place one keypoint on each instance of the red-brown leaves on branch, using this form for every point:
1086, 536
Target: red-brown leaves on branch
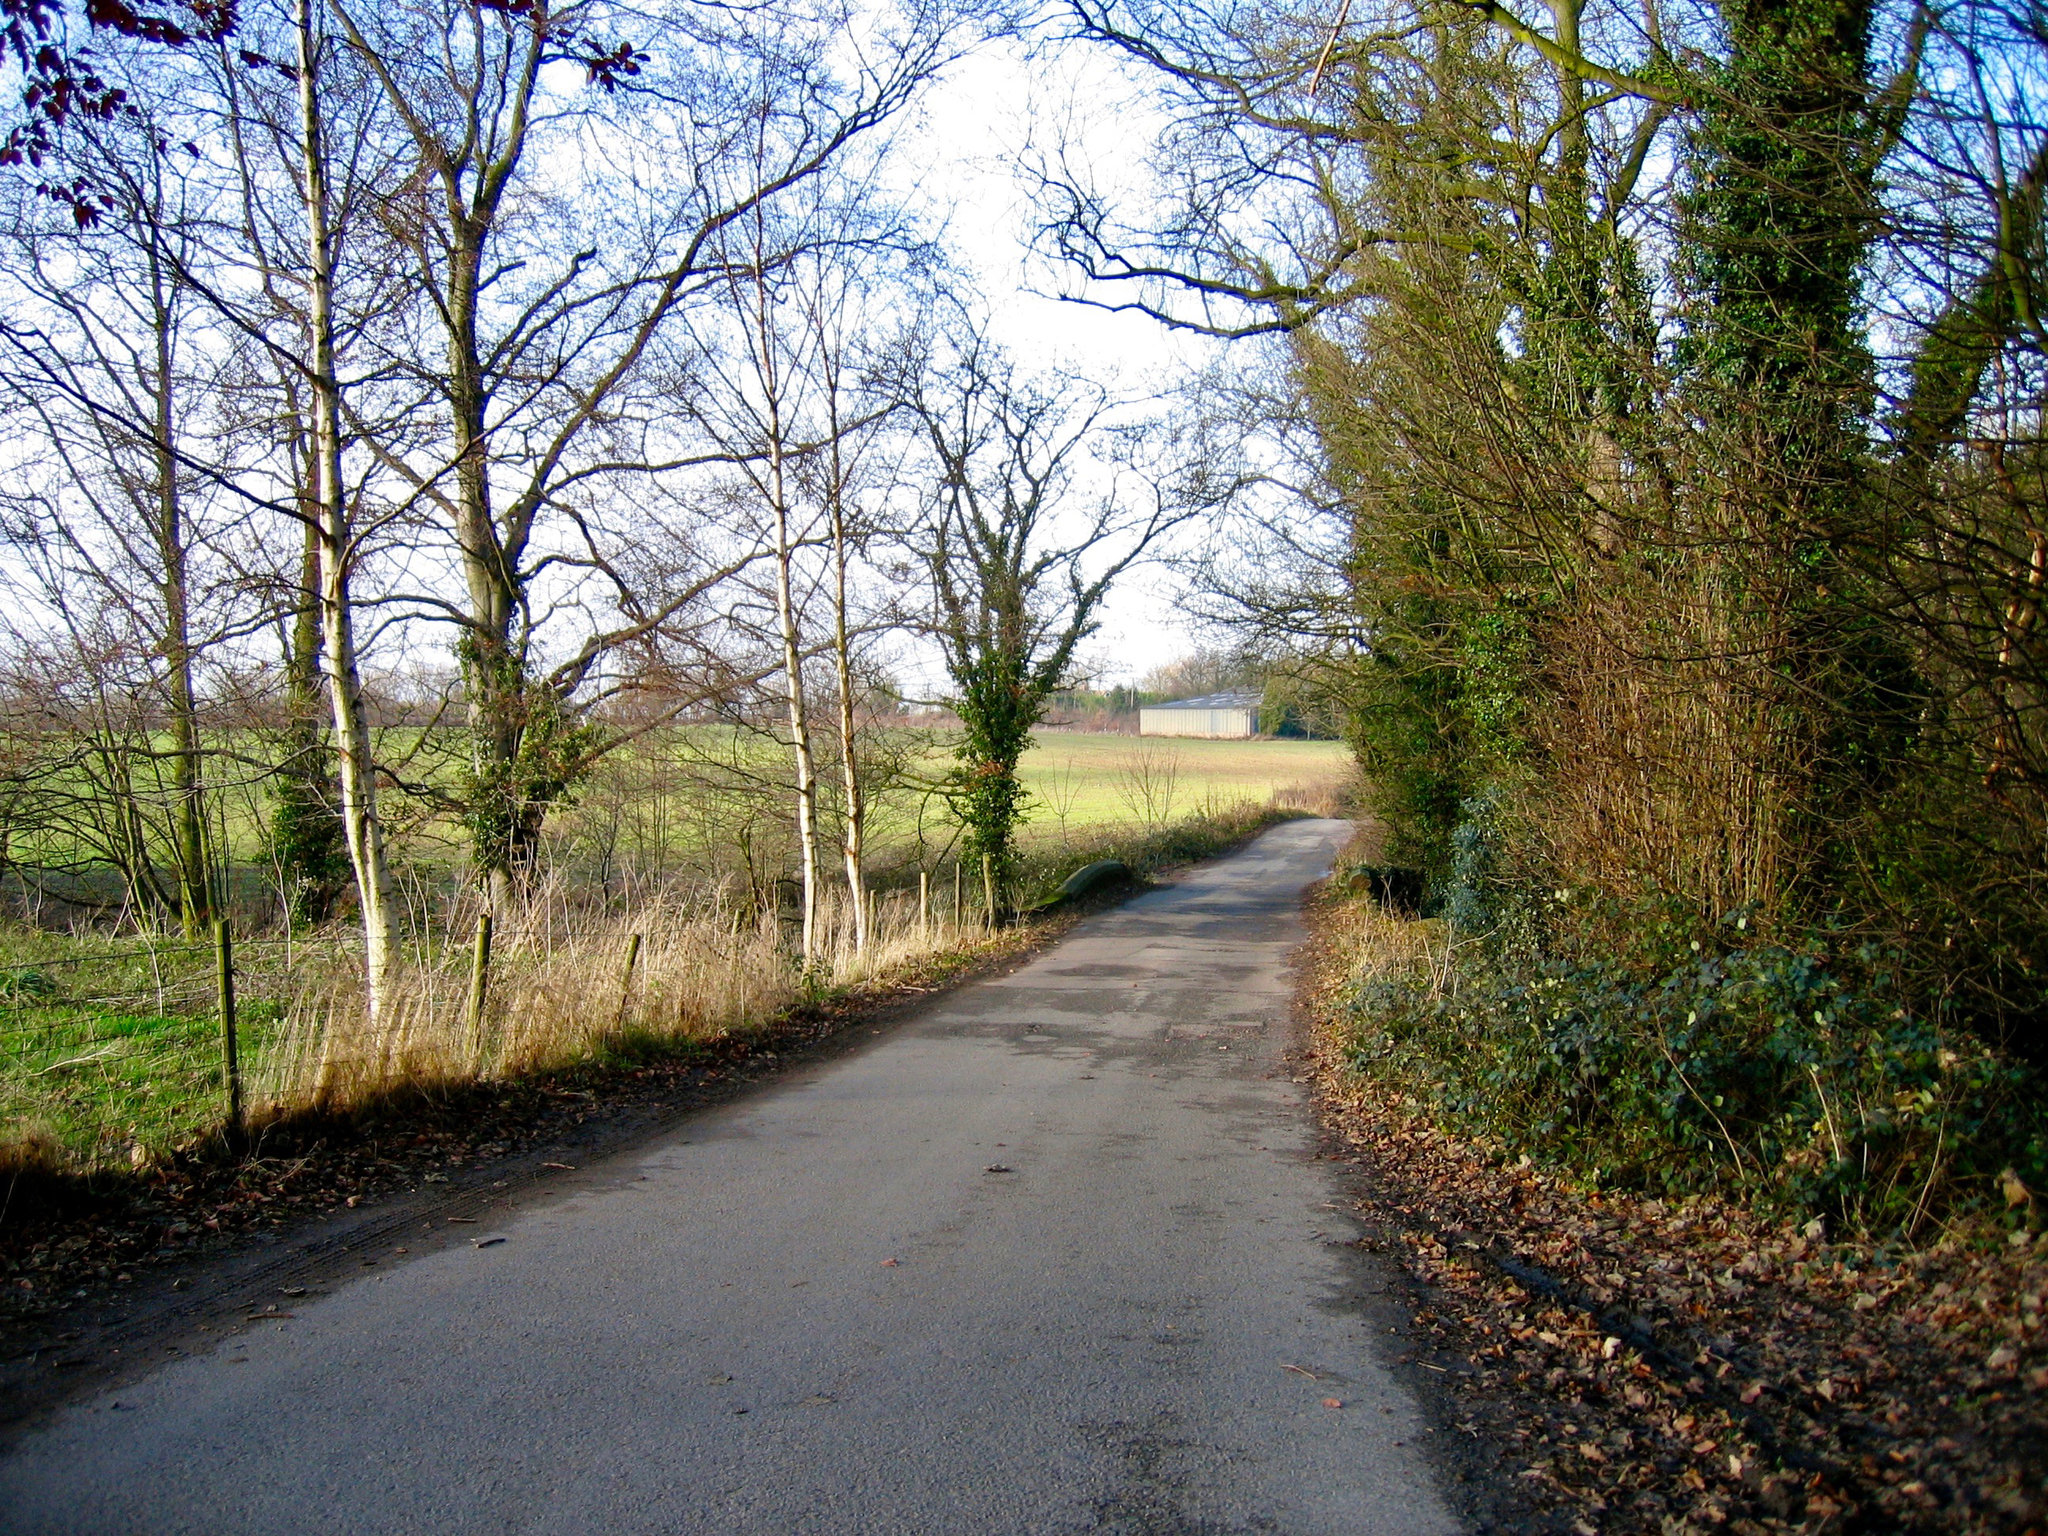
609, 66
608, 69
61, 84
118, 16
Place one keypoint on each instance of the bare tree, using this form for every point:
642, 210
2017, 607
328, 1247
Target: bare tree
1148, 783
337, 531
542, 338
776, 382
775, 482
114, 381
838, 298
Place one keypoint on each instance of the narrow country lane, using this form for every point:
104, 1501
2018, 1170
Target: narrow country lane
1119, 1299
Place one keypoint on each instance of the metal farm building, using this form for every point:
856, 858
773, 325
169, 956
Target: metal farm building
1219, 716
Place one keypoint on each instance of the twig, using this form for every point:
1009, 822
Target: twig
76, 1061
1734, 1150
1315, 82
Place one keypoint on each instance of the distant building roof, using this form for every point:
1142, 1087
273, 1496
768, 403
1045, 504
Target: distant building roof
1233, 698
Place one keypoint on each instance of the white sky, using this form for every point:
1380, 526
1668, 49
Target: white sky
977, 127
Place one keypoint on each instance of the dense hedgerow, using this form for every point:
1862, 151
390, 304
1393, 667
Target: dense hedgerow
1795, 1076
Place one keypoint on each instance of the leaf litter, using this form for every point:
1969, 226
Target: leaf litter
1690, 1366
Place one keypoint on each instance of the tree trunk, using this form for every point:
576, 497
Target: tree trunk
494, 677
188, 814
305, 829
518, 766
799, 721
361, 824
855, 837
777, 488
1777, 223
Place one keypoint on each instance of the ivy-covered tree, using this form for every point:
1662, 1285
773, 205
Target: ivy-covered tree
1020, 551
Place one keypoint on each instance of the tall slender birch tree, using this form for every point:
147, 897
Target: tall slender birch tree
338, 536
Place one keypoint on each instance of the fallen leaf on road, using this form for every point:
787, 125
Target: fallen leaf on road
890, 1263
998, 1168
1333, 1402
488, 1242
565, 1167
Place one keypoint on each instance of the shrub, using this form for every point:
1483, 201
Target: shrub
1796, 1076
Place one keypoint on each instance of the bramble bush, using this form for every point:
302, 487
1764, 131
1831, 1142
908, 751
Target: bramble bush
1794, 1076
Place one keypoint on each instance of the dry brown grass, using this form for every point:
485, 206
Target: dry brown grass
1324, 797
707, 964
29, 1147
1375, 942
1361, 939
560, 992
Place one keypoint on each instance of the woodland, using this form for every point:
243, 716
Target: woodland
1665, 501
1623, 423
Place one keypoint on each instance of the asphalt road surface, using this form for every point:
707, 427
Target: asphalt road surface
1051, 1256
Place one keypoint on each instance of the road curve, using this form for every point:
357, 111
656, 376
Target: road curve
1049, 1257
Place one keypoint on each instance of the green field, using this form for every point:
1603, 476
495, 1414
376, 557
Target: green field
1082, 780
112, 1045
682, 800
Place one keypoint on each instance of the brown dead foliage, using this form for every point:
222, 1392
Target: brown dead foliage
1679, 1367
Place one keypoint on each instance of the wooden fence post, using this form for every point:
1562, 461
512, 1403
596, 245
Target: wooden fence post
626, 981
479, 982
231, 1056
959, 911
988, 887
924, 904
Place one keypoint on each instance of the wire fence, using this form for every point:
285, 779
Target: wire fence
114, 1054
116, 1057
119, 1055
